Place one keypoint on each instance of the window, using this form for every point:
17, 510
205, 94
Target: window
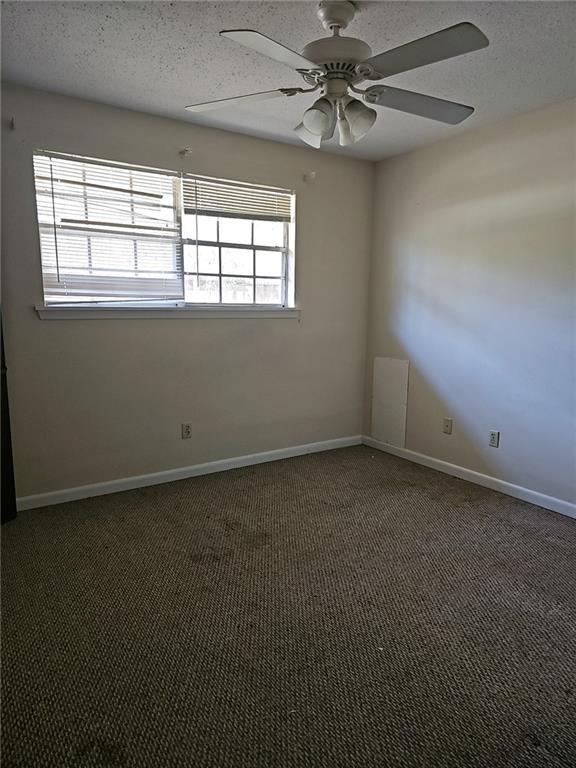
237, 243
107, 233
116, 234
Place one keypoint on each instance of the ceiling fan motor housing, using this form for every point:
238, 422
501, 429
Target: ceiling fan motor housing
338, 55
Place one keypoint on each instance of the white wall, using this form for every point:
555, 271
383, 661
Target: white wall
473, 281
97, 400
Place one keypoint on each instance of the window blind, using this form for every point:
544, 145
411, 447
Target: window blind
208, 197
107, 232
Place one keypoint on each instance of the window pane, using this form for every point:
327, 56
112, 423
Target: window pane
190, 258
207, 259
236, 231
202, 289
237, 290
269, 233
189, 226
268, 291
207, 229
269, 263
237, 261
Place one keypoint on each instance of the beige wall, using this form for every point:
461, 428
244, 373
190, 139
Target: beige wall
98, 400
473, 282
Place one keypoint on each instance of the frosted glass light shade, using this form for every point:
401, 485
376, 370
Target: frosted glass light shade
309, 138
318, 118
360, 117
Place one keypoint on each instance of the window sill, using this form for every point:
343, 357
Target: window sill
57, 312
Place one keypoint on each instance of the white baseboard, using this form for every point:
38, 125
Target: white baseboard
169, 475
157, 478
517, 491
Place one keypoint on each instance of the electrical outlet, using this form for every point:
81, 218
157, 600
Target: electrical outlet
447, 426
494, 441
186, 431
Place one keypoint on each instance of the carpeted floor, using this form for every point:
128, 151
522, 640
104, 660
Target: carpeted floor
340, 609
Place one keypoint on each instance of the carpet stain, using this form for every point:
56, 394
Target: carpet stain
97, 753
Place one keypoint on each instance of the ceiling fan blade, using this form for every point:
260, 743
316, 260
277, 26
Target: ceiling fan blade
262, 96
418, 104
268, 47
453, 41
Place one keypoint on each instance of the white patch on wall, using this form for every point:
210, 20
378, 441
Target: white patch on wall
389, 400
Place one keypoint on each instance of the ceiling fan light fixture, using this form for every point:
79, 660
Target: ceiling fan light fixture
360, 118
318, 118
312, 139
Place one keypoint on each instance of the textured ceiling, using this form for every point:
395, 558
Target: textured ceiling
159, 56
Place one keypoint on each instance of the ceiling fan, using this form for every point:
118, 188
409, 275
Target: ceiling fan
335, 65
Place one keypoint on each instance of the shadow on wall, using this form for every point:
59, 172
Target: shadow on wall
480, 268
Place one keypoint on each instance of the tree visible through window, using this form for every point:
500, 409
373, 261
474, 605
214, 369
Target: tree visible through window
113, 234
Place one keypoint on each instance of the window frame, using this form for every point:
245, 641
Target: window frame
141, 307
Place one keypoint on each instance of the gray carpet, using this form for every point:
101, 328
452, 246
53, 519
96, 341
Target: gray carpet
340, 609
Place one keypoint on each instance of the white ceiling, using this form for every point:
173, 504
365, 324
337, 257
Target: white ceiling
159, 56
